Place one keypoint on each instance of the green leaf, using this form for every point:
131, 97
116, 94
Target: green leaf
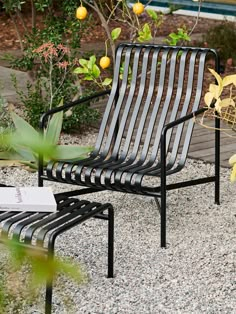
26, 143
107, 81
32, 145
145, 33
44, 269
9, 163
173, 36
18, 254
24, 154
115, 33
71, 270
176, 37
91, 62
19, 154
66, 152
21, 140
88, 78
92, 59
22, 126
54, 128
80, 70
153, 15
83, 62
96, 71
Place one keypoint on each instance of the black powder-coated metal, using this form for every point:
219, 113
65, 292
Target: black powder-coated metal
147, 125
39, 230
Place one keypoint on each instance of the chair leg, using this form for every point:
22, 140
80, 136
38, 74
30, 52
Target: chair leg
217, 181
40, 182
163, 220
48, 300
217, 187
49, 285
217, 161
110, 242
162, 210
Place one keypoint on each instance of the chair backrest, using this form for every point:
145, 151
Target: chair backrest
152, 86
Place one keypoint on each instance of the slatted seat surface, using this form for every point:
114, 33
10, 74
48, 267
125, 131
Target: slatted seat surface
157, 86
32, 228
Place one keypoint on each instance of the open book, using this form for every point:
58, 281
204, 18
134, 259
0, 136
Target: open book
35, 199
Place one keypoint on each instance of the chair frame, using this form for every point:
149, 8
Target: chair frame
113, 161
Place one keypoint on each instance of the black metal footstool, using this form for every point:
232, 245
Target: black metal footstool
31, 228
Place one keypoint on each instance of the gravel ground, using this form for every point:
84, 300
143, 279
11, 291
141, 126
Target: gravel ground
195, 274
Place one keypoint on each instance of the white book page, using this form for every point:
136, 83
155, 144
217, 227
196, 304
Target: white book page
27, 198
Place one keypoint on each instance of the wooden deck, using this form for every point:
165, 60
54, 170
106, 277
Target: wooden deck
202, 144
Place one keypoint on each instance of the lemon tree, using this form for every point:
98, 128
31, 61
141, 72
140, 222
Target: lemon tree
139, 32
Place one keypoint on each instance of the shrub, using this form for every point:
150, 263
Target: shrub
223, 38
49, 55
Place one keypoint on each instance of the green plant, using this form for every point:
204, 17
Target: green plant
121, 13
176, 38
6, 124
139, 31
91, 72
61, 30
55, 81
27, 271
80, 117
34, 101
223, 38
60, 23
26, 143
144, 34
49, 55
5, 121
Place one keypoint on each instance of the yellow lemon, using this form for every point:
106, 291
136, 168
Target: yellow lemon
105, 62
138, 8
81, 13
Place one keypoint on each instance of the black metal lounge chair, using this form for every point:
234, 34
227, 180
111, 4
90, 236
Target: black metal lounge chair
146, 128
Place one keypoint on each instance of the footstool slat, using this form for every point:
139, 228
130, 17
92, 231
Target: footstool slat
60, 224
50, 217
6, 215
18, 217
21, 225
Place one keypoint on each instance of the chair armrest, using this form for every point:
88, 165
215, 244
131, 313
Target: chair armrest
177, 122
182, 120
50, 112
163, 139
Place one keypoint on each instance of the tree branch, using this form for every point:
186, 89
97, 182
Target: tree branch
22, 20
17, 31
33, 14
104, 25
197, 19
